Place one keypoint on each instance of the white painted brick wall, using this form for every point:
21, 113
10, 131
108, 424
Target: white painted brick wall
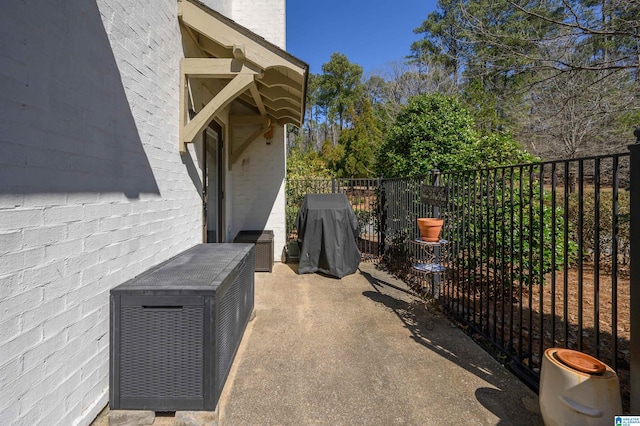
267, 18
92, 190
222, 6
258, 198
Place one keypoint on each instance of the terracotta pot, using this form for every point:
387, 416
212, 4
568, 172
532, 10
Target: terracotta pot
430, 228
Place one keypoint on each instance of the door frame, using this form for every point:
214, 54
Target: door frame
216, 128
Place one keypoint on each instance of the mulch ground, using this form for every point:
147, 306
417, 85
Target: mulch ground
524, 321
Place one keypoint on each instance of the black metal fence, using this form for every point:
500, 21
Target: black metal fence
363, 196
537, 255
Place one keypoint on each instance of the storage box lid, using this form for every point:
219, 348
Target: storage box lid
253, 236
201, 268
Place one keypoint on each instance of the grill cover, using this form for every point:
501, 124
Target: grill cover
328, 231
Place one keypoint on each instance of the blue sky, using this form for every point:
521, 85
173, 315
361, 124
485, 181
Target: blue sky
371, 33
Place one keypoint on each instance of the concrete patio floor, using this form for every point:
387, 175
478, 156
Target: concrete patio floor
360, 350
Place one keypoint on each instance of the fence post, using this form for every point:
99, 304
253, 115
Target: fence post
437, 250
382, 217
333, 185
634, 262
435, 175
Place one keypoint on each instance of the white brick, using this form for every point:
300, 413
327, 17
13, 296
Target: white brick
108, 253
120, 209
44, 274
8, 373
31, 415
53, 411
37, 354
63, 214
62, 286
11, 285
42, 236
12, 306
63, 249
88, 321
59, 321
92, 304
96, 211
10, 242
9, 415
110, 224
97, 241
93, 273
78, 263
42, 313
12, 348
82, 229
9, 329
11, 201
44, 200
59, 362
34, 257
20, 218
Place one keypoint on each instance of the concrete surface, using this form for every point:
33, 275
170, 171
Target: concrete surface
361, 351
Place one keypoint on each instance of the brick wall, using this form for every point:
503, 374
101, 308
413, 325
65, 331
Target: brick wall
92, 190
258, 185
222, 6
266, 18
258, 199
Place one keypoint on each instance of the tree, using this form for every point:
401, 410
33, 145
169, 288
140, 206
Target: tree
564, 75
332, 155
361, 144
305, 164
442, 40
576, 115
398, 82
432, 131
311, 103
611, 29
339, 87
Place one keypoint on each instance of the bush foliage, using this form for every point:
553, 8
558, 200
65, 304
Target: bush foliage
436, 131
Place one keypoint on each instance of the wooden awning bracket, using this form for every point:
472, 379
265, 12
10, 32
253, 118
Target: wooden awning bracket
258, 74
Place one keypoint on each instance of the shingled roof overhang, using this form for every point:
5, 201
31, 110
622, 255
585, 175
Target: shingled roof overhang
249, 69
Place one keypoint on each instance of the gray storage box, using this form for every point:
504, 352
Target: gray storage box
264, 247
175, 329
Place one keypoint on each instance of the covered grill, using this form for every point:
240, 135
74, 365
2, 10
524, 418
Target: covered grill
328, 231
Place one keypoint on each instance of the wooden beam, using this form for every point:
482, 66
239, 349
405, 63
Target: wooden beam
184, 111
239, 84
281, 104
214, 49
223, 34
216, 67
284, 115
272, 78
194, 39
257, 98
238, 52
275, 93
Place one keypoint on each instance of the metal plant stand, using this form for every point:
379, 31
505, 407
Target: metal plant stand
429, 263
